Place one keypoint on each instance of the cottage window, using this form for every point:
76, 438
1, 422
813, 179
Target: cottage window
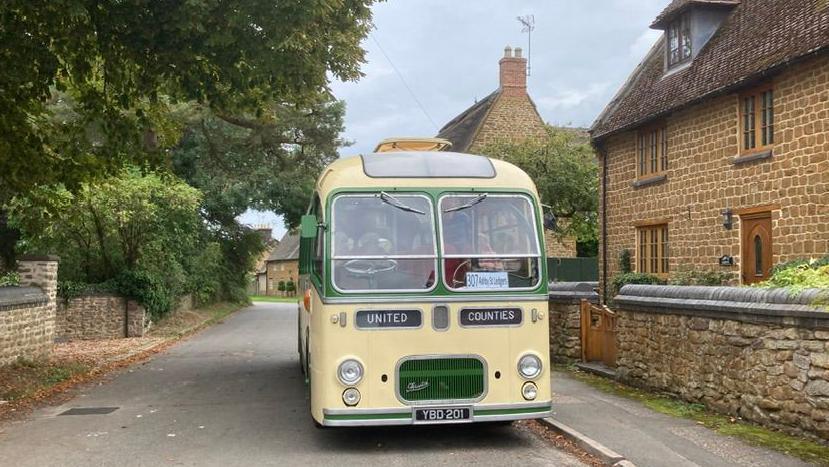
679, 41
652, 151
652, 249
757, 119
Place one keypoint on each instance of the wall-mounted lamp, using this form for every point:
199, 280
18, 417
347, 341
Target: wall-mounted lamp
727, 219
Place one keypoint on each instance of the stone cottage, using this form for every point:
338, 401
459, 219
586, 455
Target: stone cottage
508, 113
283, 262
714, 154
259, 285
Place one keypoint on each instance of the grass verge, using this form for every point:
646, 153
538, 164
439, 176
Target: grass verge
808, 450
25, 383
183, 323
273, 298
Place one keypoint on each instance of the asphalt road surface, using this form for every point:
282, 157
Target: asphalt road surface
233, 395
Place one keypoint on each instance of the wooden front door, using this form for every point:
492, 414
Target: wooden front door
598, 334
757, 241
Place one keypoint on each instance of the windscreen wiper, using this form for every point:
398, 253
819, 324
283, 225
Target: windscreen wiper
392, 201
475, 201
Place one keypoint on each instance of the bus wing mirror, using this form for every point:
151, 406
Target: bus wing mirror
308, 226
550, 221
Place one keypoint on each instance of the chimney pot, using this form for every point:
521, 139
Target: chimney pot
517, 52
507, 52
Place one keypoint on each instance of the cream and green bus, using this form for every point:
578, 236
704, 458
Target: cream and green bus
425, 292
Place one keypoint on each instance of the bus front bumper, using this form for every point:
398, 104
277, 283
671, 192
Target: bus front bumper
406, 415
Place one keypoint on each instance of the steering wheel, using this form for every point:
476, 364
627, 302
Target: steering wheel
459, 282
369, 266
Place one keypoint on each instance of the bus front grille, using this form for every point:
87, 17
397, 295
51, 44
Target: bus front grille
437, 379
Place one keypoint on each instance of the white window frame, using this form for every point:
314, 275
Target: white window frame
334, 258
445, 256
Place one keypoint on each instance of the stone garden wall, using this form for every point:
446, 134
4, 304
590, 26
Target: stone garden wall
565, 299
27, 313
100, 316
759, 354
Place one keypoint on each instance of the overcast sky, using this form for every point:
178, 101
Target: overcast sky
447, 53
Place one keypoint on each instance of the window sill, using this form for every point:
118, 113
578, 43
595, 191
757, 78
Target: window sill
648, 181
676, 68
751, 157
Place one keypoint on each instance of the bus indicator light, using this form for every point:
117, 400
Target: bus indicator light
529, 391
351, 397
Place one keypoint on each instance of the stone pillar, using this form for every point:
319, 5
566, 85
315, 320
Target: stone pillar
37, 336
40, 271
136, 319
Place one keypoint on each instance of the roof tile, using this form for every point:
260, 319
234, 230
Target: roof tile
758, 37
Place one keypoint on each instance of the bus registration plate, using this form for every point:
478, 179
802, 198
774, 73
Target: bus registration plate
443, 415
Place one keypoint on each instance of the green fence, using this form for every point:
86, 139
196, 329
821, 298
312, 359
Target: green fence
573, 269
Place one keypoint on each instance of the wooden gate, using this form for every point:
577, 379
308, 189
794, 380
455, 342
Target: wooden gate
598, 334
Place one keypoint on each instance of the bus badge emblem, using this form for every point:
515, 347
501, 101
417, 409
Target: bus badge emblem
414, 387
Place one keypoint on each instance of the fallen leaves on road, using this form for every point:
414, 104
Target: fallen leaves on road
559, 441
26, 383
99, 352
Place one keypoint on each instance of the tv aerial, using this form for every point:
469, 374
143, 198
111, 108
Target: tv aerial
528, 21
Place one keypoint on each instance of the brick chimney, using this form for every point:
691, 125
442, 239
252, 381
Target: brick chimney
265, 231
513, 73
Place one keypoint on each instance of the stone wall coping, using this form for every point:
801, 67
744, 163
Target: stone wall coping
573, 292
16, 296
752, 305
54, 258
97, 295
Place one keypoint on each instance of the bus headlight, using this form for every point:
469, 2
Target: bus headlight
529, 390
529, 366
351, 397
350, 372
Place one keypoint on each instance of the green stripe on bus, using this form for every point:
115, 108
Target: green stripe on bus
370, 416
517, 411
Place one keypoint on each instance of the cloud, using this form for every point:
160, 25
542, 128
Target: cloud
564, 99
643, 43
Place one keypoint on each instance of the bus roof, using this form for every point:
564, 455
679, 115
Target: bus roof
413, 169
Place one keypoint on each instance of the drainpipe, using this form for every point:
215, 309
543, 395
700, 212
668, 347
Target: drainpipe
603, 154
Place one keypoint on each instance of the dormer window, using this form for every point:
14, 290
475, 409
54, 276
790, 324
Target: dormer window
688, 26
679, 40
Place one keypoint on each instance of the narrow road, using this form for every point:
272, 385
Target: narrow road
233, 395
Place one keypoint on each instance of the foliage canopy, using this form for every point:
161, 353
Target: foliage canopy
268, 163
565, 172
138, 233
86, 87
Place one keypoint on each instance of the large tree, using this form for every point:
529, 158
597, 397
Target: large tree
269, 162
86, 86
563, 166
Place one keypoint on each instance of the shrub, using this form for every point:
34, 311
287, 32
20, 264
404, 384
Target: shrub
290, 287
625, 262
9, 279
146, 289
694, 277
621, 280
799, 275
811, 263
281, 286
